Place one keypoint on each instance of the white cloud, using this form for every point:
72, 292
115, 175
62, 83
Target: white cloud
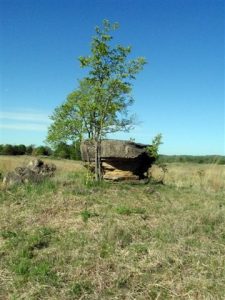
25, 116
26, 120
24, 126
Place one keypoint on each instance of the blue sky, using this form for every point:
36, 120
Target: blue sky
180, 92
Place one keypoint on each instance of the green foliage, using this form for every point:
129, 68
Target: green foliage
29, 149
42, 150
7, 150
72, 151
62, 150
22, 150
19, 149
75, 151
109, 77
68, 124
153, 149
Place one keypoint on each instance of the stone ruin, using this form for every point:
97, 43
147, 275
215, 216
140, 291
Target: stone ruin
120, 160
35, 171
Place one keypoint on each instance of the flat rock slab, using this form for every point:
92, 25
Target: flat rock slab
112, 149
120, 160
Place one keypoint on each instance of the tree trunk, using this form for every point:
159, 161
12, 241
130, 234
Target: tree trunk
98, 171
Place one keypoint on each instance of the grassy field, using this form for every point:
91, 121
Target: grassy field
68, 238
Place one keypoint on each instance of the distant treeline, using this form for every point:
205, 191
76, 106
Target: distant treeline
72, 151
62, 150
203, 159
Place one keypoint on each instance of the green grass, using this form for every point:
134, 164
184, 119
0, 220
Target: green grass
124, 210
69, 238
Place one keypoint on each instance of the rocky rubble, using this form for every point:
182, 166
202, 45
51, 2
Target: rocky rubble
35, 171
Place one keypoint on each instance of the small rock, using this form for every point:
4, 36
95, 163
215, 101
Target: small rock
150, 190
11, 179
34, 164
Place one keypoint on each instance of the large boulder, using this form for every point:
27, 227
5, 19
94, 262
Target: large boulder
35, 171
120, 160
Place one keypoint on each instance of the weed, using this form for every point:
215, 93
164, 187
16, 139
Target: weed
122, 283
86, 214
106, 249
8, 234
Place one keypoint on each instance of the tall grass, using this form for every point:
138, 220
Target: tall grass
209, 177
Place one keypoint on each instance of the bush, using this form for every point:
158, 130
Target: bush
42, 150
64, 150
153, 149
19, 149
8, 150
29, 149
16, 149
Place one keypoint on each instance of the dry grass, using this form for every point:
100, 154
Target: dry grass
9, 163
210, 177
71, 239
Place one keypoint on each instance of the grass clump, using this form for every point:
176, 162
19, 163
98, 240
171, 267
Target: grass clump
81, 288
85, 214
125, 210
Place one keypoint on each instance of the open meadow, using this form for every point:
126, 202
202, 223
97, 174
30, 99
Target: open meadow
70, 238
